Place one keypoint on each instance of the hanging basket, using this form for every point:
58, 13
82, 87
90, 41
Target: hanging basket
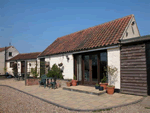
60, 64
46, 64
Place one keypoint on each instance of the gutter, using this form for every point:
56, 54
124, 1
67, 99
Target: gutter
136, 39
84, 51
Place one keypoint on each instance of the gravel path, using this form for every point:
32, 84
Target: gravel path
12, 101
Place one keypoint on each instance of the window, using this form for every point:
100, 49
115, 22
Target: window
126, 34
11, 64
132, 30
133, 23
10, 53
132, 27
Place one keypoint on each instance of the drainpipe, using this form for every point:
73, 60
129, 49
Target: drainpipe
5, 59
25, 72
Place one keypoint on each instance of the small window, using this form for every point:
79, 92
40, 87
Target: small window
11, 64
132, 30
133, 23
126, 34
10, 53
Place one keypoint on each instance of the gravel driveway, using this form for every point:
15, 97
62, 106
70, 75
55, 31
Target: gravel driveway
12, 101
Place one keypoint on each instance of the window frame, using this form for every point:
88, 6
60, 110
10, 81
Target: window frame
9, 54
11, 64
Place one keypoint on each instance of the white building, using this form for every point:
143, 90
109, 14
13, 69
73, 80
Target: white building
86, 53
6, 53
29, 58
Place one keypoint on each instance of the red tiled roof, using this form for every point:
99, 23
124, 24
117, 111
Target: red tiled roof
101, 35
3, 49
25, 56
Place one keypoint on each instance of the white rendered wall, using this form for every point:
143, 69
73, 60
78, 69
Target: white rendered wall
113, 56
68, 65
33, 65
19, 67
9, 69
129, 30
14, 52
2, 62
38, 66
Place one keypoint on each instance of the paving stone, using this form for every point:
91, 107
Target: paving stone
73, 99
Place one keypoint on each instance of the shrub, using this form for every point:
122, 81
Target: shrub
55, 71
34, 72
5, 70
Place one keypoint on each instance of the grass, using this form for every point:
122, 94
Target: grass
102, 110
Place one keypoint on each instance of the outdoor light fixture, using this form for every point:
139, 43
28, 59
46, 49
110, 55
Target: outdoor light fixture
29, 64
67, 57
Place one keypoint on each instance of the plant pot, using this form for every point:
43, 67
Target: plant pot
101, 88
104, 85
74, 82
57, 85
68, 84
110, 90
97, 87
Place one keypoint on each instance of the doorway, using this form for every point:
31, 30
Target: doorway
42, 66
22, 68
90, 67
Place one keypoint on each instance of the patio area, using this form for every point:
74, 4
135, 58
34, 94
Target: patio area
72, 100
85, 89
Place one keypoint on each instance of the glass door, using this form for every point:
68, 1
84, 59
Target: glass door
94, 68
86, 68
103, 65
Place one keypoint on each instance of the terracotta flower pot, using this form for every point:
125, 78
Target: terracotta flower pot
104, 85
74, 82
110, 90
57, 85
68, 84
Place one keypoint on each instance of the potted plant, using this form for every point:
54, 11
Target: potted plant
68, 83
46, 64
101, 88
74, 81
97, 86
103, 82
112, 72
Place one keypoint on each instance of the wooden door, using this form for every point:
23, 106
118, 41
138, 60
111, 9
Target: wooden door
22, 67
90, 69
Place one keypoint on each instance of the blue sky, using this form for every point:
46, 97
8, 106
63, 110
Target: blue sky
32, 25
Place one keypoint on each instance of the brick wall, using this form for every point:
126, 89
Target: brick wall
32, 81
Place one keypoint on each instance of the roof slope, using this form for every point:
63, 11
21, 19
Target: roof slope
25, 56
3, 49
101, 35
